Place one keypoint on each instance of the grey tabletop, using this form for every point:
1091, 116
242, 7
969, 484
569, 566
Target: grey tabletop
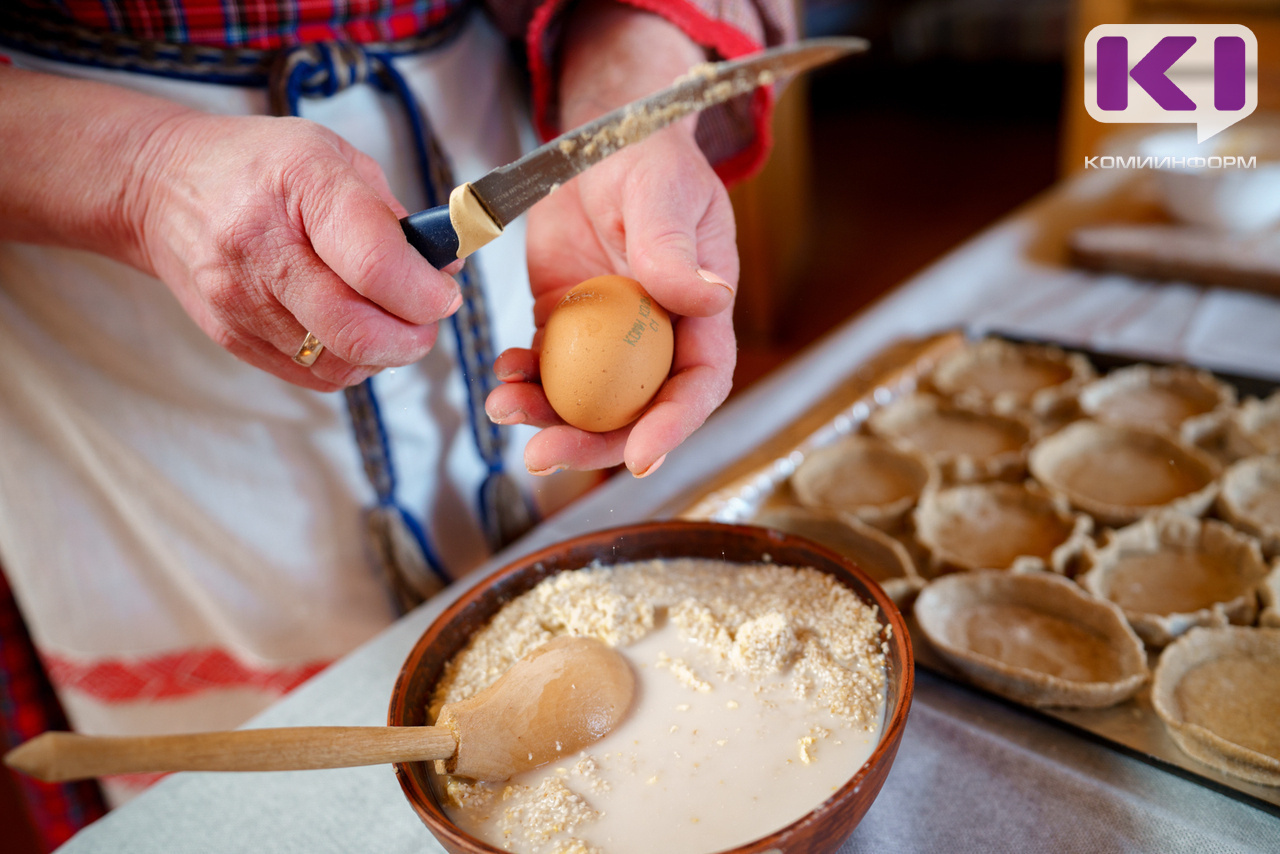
972, 774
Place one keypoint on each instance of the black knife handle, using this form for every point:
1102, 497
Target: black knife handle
431, 233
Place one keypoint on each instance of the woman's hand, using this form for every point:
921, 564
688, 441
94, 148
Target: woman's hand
654, 211
267, 228
263, 228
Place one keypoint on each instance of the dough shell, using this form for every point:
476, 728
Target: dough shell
1253, 427
1249, 498
1155, 398
1035, 638
1217, 691
1269, 596
1006, 526
1119, 474
1011, 377
882, 557
967, 443
1170, 573
865, 477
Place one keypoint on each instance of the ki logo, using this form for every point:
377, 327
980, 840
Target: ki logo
1206, 74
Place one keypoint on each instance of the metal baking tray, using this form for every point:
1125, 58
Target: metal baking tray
758, 480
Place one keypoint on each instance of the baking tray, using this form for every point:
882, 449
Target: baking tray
758, 480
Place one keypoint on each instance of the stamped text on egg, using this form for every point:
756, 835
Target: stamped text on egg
636, 332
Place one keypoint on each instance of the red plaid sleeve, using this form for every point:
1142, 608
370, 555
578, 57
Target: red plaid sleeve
28, 707
735, 136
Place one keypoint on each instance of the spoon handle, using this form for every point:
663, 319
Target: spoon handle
56, 756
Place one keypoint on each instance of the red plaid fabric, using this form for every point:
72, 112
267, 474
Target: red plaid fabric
28, 707
244, 23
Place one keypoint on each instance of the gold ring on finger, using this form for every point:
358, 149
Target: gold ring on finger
309, 351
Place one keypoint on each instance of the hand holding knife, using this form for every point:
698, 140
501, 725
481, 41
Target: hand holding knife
477, 212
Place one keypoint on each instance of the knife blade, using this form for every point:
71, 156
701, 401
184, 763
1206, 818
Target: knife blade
477, 212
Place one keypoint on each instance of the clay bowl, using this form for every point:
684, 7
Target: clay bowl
825, 827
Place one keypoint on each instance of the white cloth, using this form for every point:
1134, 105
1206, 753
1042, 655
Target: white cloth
163, 503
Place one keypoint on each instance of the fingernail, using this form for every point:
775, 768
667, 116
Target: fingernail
515, 416
653, 466
546, 471
712, 279
455, 305
510, 375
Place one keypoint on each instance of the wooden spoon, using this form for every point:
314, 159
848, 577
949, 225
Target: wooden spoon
559, 698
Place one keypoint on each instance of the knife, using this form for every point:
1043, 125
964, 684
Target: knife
478, 212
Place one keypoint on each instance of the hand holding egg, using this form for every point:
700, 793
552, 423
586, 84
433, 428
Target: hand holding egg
657, 213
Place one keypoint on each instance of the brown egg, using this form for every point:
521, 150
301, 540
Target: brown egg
606, 350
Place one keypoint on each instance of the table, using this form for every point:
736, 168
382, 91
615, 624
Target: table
972, 774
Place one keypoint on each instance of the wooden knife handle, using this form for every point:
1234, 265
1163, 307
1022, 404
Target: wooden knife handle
56, 756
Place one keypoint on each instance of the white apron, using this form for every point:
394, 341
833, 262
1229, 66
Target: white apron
182, 530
